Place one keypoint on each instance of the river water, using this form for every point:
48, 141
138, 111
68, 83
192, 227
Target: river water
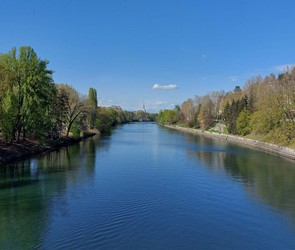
148, 187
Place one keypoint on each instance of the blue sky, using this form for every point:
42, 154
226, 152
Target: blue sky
123, 48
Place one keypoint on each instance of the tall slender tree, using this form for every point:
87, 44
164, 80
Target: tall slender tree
92, 101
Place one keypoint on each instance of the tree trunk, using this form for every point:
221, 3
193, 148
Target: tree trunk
24, 134
18, 134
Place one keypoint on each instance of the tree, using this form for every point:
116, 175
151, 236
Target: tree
189, 112
205, 114
92, 97
231, 113
237, 89
167, 117
59, 112
104, 120
31, 84
216, 98
75, 105
7, 115
243, 122
92, 101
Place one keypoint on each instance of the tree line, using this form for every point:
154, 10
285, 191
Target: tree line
32, 106
263, 109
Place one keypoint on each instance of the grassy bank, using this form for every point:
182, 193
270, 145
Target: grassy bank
267, 147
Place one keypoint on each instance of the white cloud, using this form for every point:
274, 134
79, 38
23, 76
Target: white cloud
157, 105
169, 86
233, 78
283, 67
105, 102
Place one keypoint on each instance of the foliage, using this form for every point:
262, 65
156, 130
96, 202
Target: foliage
152, 117
75, 105
206, 116
264, 108
26, 78
7, 115
243, 122
106, 118
32, 106
75, 130
92, 102
167, 117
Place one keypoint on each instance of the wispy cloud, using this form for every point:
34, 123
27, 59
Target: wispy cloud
204, 56
168, 87
233, 78
157, 105
106, 102
283, 67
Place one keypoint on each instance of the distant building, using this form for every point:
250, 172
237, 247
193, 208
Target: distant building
141, 115
143, 107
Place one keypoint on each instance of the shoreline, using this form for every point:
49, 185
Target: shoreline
260, 145
22, 150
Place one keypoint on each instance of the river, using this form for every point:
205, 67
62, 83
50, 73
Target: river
149, 187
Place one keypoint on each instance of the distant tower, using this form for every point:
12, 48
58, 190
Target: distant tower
143, 108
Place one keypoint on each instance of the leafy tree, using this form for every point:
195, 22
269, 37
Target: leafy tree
7, 115
104, 120
59, 110
167, 117
205, 114
31, 82
92, 100
75, 105
237, 89
243, 122
189, 112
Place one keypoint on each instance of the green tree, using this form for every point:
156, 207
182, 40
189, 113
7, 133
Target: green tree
231, 113
92, 101
243, 122
167, 117
59, 110
7, 115
31, 82
92, 97
104, 120
75, 104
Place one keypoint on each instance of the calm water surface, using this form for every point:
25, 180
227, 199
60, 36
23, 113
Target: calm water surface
147, 187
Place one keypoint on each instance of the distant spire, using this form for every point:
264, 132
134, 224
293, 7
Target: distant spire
143, 107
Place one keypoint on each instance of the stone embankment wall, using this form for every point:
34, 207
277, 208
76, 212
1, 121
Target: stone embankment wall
272, 148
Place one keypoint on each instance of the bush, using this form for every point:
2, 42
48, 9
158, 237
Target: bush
75, 130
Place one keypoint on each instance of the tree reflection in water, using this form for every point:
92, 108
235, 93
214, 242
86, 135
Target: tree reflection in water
25, 187
268, 178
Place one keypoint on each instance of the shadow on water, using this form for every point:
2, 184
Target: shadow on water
31, 190
267, 178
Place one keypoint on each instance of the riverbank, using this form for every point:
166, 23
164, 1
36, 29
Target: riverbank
24, 149
267, 147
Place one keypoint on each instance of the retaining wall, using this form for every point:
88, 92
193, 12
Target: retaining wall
272, 148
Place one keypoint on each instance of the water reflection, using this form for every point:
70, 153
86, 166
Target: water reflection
31, 190
267, 178
147, 187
